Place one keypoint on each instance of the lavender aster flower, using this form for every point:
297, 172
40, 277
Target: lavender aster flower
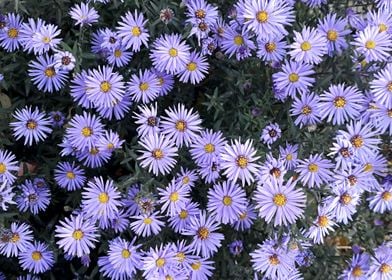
8, 166
358, 267
132, 31
181, 220
64, 60
124, 256
381, 86
28, 31
196, 69
69, 176
83, 14
208, 146
6, 195
270, 134
314, 171
15, 240
321, 226
237, 43
381, 264
272, 48
381, 201
147, 224
37, 258
245, 219
306, 108
158, 261
173, 198
200, 11
289, 156
32, 198
119, 56
147, 120
144, 87
10, 38
342, 203
45, 39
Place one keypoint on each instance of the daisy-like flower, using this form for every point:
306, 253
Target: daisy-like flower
210, 171
180, 125
208, 146
205, 238
382, 119
306, 108
294, 77
267, 18
76, 235
309, 46
6, 195
344, 153
170, 54
340, 103
355, 177
45, 39
69, 176
83, 14
381, 86
45, 76
321, 226
270, 134
78, 90
272, 167
124, 256
362, 138
200, 11
100, 201
117, 110
147, 224
381, 201
119, 223
158, 154
358, 267
280, 201
173, 198
132, 31
381, 264
314, 171
10, 38
289, 156
32, 198
195, 70
238, 161
34, 126
144, 87
245, 219
186, 178
147, 120
333, 28
272, 48
109, 141
15, 240
381, 18
237, 43
64, 60
119, 56
375, 46
57, 118
104, 87
166, 82
84, 130
342, 203
201, 268
94, 157
27, 32
37, 258
158, 262
226, 202
109, 40
8, 166
181, 220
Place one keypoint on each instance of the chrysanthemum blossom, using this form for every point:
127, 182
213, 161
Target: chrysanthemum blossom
83, 14
314, 171
37, 258
132, 31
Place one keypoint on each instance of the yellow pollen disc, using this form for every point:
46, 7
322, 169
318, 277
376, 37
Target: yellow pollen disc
385, 268
181, 126
147, 221
3, 168
357, 141
289, 157
105, 86
174, 196
332, 35
160, 262
117, 53
191, 66
200, 14
50, 72
183, 214
305, 46
313, 167
168, 277
203, 233
46, 40
270, 47
36, 256
70, 175
161, 81
262, 16
31, 124
382, 27
180, 256
242, 162
345, 198
185, 180
87, 132
196, 265
339, 102
227, 200
110, 146
157, 154
144, 86
370, 44
389, 86
77, 234
103, 197
136, 31
368, 167
306, 110
280, 199
357, 271
173, 52
15, 237
13, 33
93, 151
293, 77
322, 221
238, 40
209, 148
243, 216
390, 113
274, 260
387, 196
125, 253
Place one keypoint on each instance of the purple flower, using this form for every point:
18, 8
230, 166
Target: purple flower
147, 224
381, 263
132, 31
381, 201
83, 14
32, 198
200, 11
358, 267
289, 156
236, 247
321, 226
173, 198
208, 146
272, 168
158, 262
272, 48
245, 219
144, 87
119, 56
181, 220
237, 43
306, 108
15, 240
270, 134
28, 31
195, 70
314, 171
166, 82
124, 256
6, 195
381, 86
8, 166
201, 268
37, 258
69, 176
45, 39
64, 60
10, 38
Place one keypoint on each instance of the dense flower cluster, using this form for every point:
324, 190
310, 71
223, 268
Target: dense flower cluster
147, 184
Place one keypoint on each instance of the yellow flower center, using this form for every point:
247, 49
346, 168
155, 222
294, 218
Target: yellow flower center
173, 52
70, 175
305, 46
46, 40
313, 167
332, 35
227, 200
289, 157
200, 14
110, 146
339, 102
144, 86
322, 221
385, 268
345, 198
262, 16
390, 113
209, 148
293, 77
368, 167
105, 86
36, 256
191, 66
160, 262
243, 216
183, 214
306, 110
86, 131
387, 196
157, 154
273, 260
181, 126
94, 151
103, 197
125, 253
15, 237
203, 233
270, 47
280, 199
196, 265
238, 40
50, 72
357, 141
389, 86
168, 277
382, 27
3, 168
174, 197
180, 256
117, 53
147, 221
77, 234
13, 33
357, 271
370, 44
136, 31
242, 162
